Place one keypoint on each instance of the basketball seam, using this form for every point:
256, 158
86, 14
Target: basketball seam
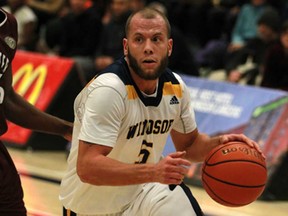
229, 183
223, 146
220, 198
226, 161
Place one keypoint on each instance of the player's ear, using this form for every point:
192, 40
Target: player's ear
125, 46
170, 46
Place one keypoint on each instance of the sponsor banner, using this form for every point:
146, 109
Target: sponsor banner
37, 78
221, 107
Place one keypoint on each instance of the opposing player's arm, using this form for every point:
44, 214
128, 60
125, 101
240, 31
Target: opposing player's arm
22, 113
94, 167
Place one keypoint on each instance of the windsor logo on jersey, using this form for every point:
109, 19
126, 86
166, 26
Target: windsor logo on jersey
174, 100
150, 127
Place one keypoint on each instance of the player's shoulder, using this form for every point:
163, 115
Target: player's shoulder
115, 76
109, 82
174, 78
8, 30
106, 86
7, 18
107, 79
8, 39
120, 69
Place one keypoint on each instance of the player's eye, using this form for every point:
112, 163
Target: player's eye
156, 39
138, 39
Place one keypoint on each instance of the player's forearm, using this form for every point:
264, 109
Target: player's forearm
20, 112
201, 147
106, 171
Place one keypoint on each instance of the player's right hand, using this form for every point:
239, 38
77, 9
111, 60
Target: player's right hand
172, 168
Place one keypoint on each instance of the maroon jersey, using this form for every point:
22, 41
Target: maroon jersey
8, 46
11, 193
8, 40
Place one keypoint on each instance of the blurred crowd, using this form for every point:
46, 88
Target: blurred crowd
239, 41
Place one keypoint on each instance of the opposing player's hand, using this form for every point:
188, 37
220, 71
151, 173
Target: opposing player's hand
240, 137
68, 133
172, 168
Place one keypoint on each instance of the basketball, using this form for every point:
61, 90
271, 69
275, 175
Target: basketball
234, 174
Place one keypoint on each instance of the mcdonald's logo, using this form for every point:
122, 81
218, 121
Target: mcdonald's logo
30, 81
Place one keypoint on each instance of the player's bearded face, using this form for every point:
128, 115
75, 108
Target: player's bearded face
147, 75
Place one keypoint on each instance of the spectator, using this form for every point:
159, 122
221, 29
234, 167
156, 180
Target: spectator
136, 5
76, 35
221, 18
46, 10
275, 73
110, 47
246, 24
102, 7
182, 58
213, 55
254, 51
27, 22
189, 17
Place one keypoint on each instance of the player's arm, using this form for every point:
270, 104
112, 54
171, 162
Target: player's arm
20, 112
94, 167
197, 145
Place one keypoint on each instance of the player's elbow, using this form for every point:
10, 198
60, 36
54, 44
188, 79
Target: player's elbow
83, 174
86, 176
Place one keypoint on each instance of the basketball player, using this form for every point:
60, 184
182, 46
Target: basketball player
122, 121
14, 108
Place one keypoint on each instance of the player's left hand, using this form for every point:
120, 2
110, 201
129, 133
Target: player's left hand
240, 137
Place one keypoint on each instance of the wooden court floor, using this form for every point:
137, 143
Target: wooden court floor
41, 172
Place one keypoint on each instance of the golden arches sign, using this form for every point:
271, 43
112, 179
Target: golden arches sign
26, 76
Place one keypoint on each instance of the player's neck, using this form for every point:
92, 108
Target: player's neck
147, 86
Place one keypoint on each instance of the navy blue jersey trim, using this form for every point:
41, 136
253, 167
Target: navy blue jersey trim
120, 68
193, 201
68, 212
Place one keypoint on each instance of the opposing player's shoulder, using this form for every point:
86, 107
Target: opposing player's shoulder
8, 25
8, 40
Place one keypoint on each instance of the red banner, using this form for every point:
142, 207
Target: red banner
37, 78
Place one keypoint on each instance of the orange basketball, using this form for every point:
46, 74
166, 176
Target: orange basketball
234, 174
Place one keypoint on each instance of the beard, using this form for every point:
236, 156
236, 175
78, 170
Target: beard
148, 76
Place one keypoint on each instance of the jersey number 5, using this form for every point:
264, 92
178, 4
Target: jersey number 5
144, 152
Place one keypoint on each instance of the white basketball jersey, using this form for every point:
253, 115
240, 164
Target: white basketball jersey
112, 111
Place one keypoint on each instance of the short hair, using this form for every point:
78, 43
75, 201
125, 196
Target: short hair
148, 13
271, 19
284, 27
